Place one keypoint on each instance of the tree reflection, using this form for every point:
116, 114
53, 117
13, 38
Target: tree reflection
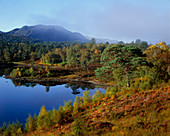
79, 85
75, 87
5, 71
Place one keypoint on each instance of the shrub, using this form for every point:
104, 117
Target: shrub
43, 119
76, 105
31, 123
54, 117
79, 127
86, 98
31, 70
68, 106
97, 96
111, 91
13, 129
16, 72
27, 72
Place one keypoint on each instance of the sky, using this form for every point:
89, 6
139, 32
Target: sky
123, 20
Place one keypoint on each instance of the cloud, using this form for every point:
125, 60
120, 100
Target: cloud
115, 20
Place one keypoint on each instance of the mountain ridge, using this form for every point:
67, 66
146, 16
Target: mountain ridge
48, 33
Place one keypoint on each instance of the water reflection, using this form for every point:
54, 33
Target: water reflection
75, 86
5, 71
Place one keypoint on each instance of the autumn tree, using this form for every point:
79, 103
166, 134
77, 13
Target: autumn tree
62, 53
158, 55
51, 58
85, 58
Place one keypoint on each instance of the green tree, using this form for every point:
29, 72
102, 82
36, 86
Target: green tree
137, 42
143, 46
7, 54
93, 41
121, 57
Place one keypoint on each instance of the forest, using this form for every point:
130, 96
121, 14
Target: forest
136, 70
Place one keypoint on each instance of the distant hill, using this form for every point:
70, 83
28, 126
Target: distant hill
100, 40
48, 33
1, 32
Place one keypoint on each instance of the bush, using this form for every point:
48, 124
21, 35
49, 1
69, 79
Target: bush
79, 127
43, 119
111, 91
13, 129
76, 105
68, 106
86, 98
97, 96
27, 72
16, 72
31, 123
31, 70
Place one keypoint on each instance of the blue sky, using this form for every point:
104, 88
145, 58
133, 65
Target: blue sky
125, 20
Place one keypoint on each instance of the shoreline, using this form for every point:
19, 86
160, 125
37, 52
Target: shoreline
57, 80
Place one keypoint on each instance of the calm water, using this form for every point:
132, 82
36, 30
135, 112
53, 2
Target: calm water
16, 102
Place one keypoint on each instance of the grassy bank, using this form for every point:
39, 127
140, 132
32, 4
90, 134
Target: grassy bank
128, 113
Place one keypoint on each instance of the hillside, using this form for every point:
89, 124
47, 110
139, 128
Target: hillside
128, 113
48, 33
5, 38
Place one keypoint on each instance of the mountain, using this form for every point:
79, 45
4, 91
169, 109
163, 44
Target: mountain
1, 32
48, 33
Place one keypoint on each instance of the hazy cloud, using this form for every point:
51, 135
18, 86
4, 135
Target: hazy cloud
115, 20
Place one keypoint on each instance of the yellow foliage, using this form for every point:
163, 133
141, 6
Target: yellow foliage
93, 96
140, 78
19, 73
145, 78
156, 49
161, 43
96, 51
40, 62
31, 69
43, 111
19, 131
